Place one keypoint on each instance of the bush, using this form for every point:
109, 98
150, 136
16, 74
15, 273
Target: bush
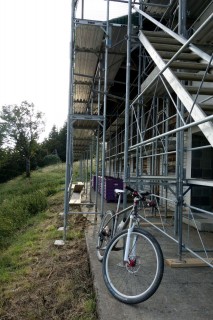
35, 202
51, 159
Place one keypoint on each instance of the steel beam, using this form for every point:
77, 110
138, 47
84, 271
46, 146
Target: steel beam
196, 113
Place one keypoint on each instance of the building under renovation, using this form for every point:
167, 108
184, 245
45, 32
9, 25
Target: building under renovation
141, 109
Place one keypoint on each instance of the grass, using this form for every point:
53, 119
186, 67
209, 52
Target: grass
42, 179
22, 198
37, 279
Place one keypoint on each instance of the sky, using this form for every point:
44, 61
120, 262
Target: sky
34, 53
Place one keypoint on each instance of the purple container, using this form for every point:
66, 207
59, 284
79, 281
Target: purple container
110, 184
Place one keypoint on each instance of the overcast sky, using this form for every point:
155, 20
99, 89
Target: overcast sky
34, 52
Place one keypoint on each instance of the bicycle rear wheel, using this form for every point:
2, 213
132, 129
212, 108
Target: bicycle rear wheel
137, 280
105, 233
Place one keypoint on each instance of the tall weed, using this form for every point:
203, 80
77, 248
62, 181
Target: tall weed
34, 203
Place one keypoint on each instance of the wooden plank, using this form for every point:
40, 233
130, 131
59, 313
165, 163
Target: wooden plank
186, 263
75, 198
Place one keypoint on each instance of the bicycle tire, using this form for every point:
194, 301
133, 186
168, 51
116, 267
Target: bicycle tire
134, 282
105, 233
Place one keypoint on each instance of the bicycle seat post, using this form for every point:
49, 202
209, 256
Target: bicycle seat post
119, 202
118, 192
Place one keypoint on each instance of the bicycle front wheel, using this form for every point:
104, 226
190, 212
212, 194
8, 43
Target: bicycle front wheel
136, 280
105, 233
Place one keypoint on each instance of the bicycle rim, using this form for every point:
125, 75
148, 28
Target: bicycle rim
136, 281
105, 233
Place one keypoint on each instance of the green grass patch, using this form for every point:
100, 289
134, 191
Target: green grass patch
90, 305
23, 198
19, 255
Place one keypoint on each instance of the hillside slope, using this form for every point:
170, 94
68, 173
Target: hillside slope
41, 281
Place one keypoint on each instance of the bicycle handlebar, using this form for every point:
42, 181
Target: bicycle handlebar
142, 194
130, 189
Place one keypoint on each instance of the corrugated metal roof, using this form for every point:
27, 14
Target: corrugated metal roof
89, 46
88, 43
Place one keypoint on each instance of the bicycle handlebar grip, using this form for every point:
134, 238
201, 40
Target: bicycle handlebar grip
130, 189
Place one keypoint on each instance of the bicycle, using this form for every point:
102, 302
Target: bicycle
112, 222
109, 225
133, 263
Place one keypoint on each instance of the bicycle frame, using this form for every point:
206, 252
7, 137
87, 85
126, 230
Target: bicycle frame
133, 209
133, 219
111, 228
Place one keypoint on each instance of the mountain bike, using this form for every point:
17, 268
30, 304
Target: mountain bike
113, 222
133, 263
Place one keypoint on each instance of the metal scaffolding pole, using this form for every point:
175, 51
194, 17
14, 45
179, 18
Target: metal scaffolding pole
81, 169
180, 142
137, 154
87, 171
69, 155
97, 141
91, 169
105, 107
126, 139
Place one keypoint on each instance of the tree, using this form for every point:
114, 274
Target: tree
56, 142
23, 128
1, 136
62, 142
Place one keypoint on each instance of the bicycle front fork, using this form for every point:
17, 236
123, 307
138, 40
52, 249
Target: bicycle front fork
128, 242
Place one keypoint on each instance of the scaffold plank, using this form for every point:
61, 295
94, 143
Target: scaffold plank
186, 263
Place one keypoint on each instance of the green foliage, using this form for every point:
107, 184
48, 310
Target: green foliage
51, 190
23, 127
22, 198
51, 159
14, 213
90, 305
35, 202
10, 164
19, 135
56, 142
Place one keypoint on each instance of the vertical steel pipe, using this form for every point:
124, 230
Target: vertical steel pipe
126, 136
105, 107
69, 142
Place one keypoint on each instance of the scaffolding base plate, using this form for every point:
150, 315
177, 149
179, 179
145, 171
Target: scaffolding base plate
59, 243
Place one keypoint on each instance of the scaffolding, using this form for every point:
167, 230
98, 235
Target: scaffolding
141, 106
